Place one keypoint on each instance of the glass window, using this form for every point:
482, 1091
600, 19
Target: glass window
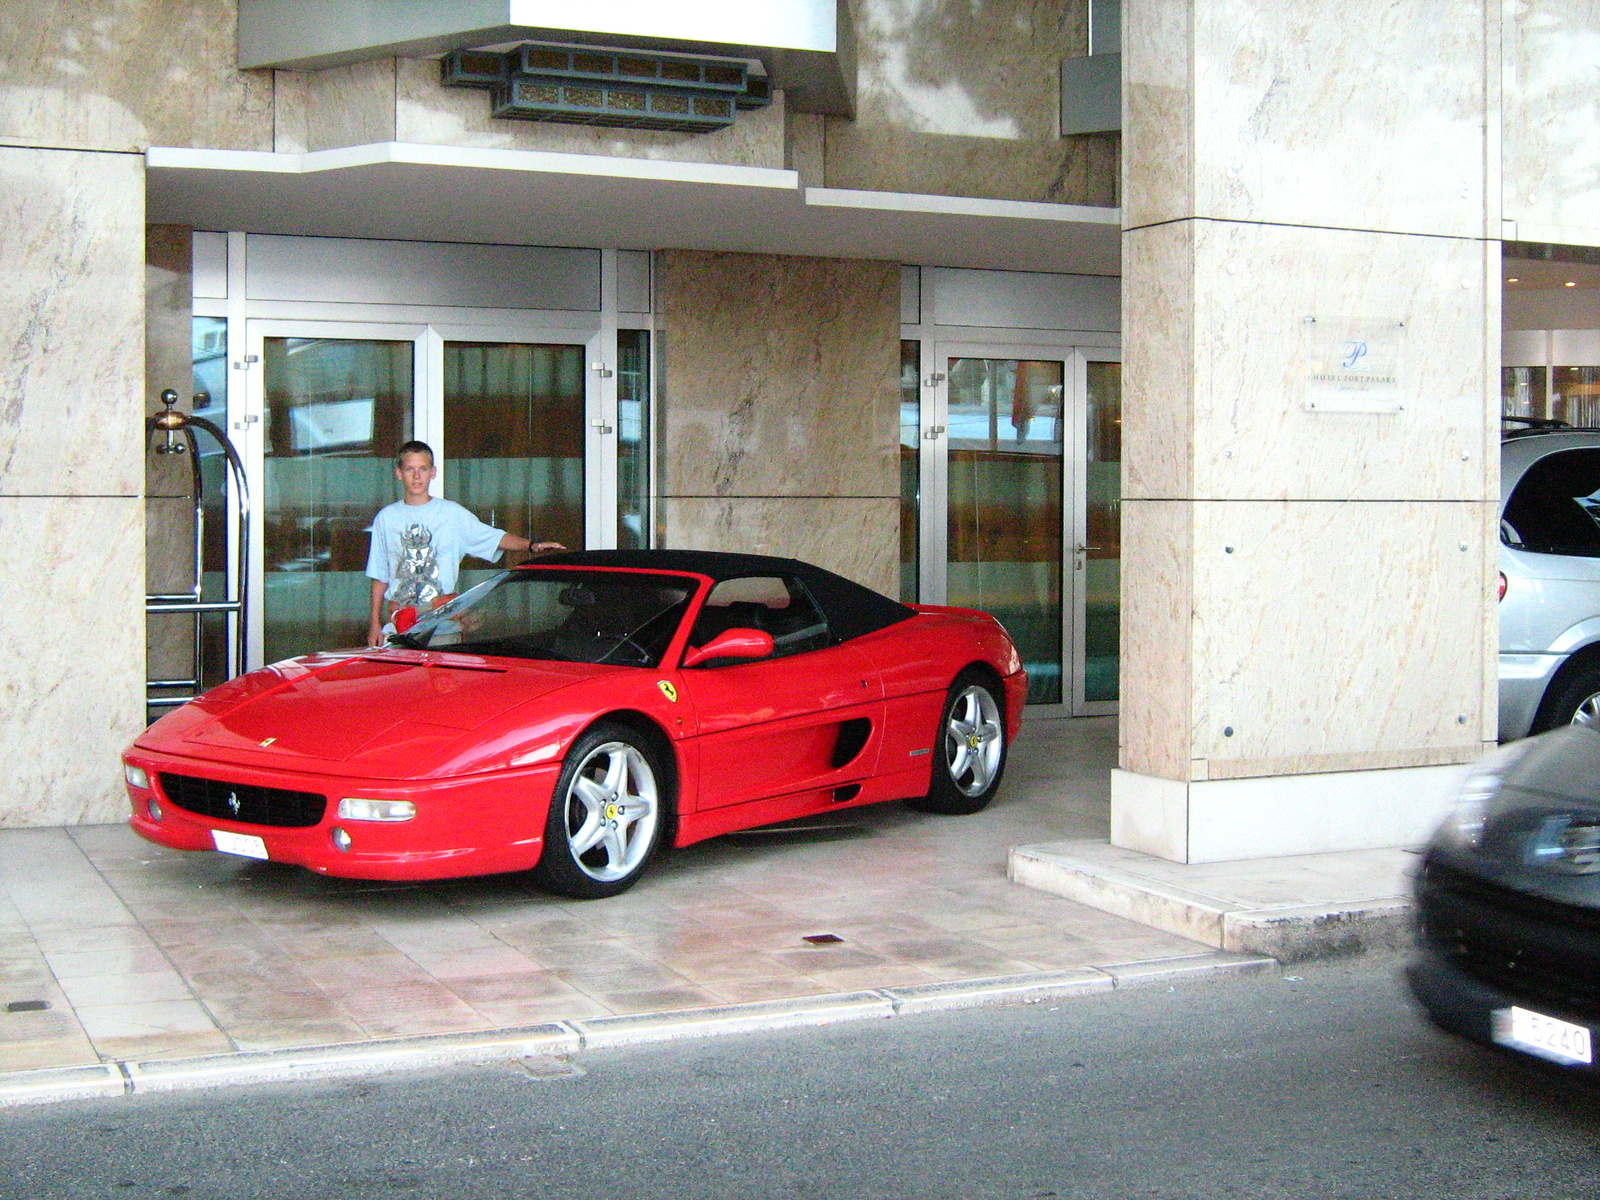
779, 606
910, 467
513, 439
1575, 395
1522, 391
1555, 508
336, 412
633, 439
209, 353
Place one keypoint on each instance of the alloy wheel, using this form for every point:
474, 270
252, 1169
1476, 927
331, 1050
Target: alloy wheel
612, 807
973, 741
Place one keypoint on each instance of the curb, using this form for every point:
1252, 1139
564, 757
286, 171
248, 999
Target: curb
562, 1038
1287, 932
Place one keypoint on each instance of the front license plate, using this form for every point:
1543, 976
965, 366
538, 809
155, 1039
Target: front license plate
1534, 1033
246, 844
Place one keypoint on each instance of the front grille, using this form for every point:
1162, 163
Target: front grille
244, 802
1533, 948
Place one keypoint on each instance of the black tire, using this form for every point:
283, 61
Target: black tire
591, 848
1574, 701
964, 782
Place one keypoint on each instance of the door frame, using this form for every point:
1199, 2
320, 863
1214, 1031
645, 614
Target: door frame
247, 413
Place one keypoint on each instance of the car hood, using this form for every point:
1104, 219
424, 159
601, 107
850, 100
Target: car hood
386, 714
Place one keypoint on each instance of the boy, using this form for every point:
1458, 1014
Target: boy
418, 542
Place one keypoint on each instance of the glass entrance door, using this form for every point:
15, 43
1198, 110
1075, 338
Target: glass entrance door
525, 437
1019, 490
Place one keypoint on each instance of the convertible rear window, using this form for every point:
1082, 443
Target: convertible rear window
1555, 508
625, 618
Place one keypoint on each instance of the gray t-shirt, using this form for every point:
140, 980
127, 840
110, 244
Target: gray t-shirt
417, 548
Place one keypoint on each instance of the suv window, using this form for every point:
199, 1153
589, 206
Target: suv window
1555, 508
778, 605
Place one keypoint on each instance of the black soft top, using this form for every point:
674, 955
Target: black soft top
852, 610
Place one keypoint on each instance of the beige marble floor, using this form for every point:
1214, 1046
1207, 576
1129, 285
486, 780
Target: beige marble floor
142, 952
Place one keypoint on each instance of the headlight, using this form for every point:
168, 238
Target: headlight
136, 776
355, 808
1464, 826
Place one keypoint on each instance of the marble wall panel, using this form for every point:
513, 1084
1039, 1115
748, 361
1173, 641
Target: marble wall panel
1157, 636
1255, 288
126, 74
858, 538
1550, 158
1339, 636
1157, 111
780, 374
963, 99
1358, 114
69, 716
71, 322
341, 106
1158, 313
427, 113
169, 509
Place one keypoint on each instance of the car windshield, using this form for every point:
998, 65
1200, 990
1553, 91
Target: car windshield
625, 618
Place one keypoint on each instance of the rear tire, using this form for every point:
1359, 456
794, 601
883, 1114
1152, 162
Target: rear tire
970, 747
610, 805
1575, 702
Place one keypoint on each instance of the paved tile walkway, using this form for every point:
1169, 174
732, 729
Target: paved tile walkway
141, 952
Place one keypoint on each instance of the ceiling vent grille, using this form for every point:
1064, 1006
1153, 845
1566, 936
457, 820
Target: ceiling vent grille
578, 85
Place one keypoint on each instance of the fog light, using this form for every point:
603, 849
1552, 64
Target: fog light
341, 840
136, 776
354, 808
155, 809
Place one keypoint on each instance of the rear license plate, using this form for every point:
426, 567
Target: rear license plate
246, 844
1534, 1033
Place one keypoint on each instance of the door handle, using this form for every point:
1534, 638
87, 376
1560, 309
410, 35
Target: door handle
1085, 549
933, 432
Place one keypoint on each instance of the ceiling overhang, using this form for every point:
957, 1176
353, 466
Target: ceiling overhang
806, 46
521, 197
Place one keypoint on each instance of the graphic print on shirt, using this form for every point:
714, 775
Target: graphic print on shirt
416, 576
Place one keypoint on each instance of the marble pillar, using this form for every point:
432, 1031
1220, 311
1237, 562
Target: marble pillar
1309, 550
72, 266
779, 409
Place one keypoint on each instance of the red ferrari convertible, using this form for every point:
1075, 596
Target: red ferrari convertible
571, 715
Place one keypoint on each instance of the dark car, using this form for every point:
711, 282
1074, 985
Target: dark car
1508, 903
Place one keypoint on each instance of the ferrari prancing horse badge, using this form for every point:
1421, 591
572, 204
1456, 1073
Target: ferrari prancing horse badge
667, 690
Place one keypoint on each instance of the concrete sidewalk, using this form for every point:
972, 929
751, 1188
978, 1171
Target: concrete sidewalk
116, 950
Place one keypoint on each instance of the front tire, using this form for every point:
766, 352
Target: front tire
606, 815
970, 748
1577, 702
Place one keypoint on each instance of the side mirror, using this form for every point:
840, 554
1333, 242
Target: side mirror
404, 618
731, 643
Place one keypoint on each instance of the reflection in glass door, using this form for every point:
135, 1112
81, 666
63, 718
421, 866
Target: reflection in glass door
334, 409
1003, 504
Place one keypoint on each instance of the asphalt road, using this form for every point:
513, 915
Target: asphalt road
1322, 1082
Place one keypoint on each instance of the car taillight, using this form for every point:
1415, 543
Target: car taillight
1502, 585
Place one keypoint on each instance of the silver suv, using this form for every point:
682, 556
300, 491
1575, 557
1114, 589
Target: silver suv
1549, 580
